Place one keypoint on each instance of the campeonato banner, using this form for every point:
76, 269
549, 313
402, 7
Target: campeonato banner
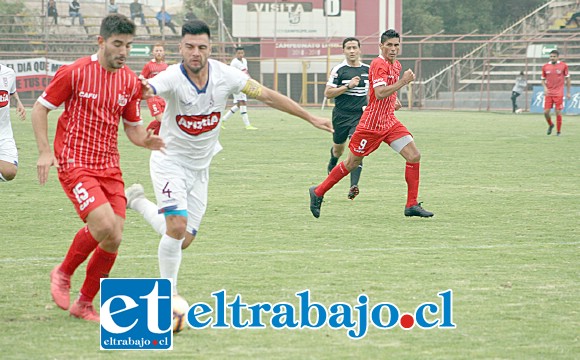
35, 73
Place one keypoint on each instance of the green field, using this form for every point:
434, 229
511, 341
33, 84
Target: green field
504, 238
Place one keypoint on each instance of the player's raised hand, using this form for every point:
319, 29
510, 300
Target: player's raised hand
154, 142
408, 76
146, 89
45, 161
354, 82
322, 123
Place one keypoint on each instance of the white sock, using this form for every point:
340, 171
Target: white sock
230, 112
244, 112
169, 255
149, 211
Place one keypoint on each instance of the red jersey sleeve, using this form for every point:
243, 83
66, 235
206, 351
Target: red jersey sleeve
378, 73
565, 72
60, 88
132, 111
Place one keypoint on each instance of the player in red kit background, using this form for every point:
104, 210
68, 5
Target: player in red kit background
554, 74
97, 91
378, 124
156, 104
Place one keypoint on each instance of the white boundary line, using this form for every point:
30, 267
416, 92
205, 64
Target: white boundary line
319, 251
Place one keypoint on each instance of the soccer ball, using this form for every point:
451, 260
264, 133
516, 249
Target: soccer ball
180, 309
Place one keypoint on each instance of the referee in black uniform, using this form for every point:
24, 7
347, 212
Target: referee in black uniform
348, 85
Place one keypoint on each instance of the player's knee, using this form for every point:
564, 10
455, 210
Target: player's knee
8, 174
352, 162
176, 226
414, 157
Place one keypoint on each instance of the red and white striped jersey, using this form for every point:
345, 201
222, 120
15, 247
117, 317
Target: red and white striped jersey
380, 114
94, 101
153, 68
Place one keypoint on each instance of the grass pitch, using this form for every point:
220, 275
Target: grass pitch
504, 238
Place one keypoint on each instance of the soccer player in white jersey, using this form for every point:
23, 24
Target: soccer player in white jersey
240, 99
8, 151
196, 92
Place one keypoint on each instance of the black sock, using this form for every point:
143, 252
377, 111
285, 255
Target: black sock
355, 175
333, 161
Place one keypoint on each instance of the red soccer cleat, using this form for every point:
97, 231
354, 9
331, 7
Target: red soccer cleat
84, 310
60, 288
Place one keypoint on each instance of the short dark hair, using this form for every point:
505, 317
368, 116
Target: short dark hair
389, 34
238, 48
350, 39
195, 27
554, 52
116, 24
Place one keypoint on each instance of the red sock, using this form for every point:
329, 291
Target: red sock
558, 123
335, 176
549, 120
99, 267
83, 244
412, 179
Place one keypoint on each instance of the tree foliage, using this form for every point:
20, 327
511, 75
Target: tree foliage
461, 17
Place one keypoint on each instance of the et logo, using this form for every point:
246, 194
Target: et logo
136, 314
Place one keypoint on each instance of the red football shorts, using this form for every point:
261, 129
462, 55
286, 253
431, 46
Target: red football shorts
89, 189
364, 141
156, 105
550, 101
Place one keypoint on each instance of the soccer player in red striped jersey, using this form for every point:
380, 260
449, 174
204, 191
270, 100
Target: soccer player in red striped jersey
97, 91
554, 75
156, 104
378, 124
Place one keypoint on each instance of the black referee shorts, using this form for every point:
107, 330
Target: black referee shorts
344, 124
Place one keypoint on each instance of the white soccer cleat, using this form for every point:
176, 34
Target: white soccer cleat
133, 193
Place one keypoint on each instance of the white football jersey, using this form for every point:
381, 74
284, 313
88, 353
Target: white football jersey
240, 65
191, 121
7, 88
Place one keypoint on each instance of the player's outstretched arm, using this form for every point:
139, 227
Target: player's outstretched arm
46, 157
280, 102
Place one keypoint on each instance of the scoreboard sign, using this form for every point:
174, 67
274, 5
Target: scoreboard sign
293, 18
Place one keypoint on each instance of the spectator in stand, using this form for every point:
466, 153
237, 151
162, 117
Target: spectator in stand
190, 15
574, 19
164, 20
74, 11
136, 10
112, 8
52, 11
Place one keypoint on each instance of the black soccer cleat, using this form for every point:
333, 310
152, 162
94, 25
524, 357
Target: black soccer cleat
558, 133
417, 210
353, 192
550, 128
315, 202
